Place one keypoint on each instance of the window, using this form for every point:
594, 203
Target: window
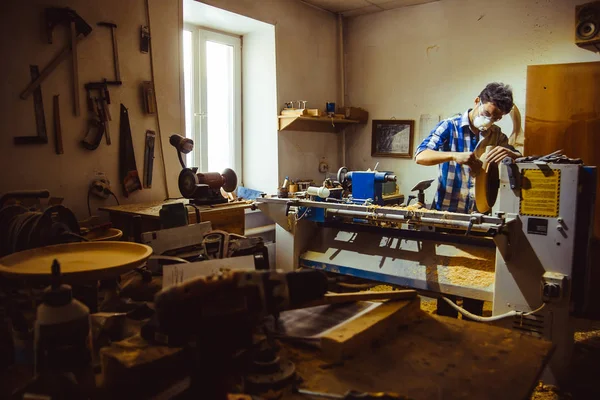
212, 81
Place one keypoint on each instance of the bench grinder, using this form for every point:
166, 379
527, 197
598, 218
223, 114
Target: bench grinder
201, 187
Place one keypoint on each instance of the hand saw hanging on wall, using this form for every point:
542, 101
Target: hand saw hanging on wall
128, 173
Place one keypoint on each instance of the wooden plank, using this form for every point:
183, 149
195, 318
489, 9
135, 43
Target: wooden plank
135, 366
313, 124
340, 298
230, 220
360, 334
434, 358
562, 113
152, 209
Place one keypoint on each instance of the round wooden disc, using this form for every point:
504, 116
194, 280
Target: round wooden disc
78, 261
487, 183
104, 235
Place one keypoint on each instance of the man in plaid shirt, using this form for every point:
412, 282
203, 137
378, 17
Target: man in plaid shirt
457, 143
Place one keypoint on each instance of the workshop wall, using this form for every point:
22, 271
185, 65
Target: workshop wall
307, 69
435, 59
22, 43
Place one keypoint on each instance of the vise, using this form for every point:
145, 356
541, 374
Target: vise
373, 185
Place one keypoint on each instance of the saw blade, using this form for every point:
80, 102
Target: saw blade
128, 173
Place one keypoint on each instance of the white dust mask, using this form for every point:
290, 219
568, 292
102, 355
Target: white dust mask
482, 122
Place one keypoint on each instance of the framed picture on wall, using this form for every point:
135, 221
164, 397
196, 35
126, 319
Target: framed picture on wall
392, 138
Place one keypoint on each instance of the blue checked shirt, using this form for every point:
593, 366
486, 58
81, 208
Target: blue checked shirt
455, 191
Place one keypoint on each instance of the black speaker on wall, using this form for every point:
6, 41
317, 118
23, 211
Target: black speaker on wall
587, 26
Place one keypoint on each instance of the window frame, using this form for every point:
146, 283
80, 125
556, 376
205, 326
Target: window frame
200, 35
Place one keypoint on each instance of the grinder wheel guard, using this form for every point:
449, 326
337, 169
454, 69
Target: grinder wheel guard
487, 183
192, 183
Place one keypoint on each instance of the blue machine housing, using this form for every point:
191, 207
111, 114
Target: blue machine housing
367, 185
314, 214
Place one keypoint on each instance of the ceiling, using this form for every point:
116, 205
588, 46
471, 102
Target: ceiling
352, 8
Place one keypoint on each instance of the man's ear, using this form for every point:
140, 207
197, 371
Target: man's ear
477, 100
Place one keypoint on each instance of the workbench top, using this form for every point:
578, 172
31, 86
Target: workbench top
152, 209
434, 358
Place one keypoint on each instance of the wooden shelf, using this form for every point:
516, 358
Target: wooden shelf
313, 124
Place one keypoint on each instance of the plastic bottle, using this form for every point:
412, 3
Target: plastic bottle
62, 335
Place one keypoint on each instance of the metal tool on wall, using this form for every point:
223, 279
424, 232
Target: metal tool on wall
148, 97
98, 100
38, 109
128, 173
94, 134
79, 29
113, 35
144, 39
58, 144
99, 106
149, 158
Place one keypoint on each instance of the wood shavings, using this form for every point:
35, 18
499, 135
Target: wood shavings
428, 305
548, 392
382, 288
477, 270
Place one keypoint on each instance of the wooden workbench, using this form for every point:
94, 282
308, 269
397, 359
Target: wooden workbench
434, 358
226, 217
430, 358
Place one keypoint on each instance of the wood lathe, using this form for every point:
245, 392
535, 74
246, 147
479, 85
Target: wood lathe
530, 258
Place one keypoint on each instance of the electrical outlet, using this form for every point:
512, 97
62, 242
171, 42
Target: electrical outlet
323, 166
554, 286
100, 188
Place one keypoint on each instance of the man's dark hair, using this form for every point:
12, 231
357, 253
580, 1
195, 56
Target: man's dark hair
499, 94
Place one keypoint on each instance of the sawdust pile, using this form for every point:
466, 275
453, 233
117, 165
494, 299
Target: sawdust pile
382, 288
548, 392
587, 333
428, 305
477, 269
464, 276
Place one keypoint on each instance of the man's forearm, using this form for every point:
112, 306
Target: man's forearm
433, 157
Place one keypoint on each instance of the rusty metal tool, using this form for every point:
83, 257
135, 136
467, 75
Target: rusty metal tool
103, 117
58, 144
38, 108
149, 158
75, 68
113, 35
94, 133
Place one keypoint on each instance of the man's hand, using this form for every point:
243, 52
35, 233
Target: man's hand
464, 158
499, 153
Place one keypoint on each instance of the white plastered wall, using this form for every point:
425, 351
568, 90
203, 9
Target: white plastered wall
435, 58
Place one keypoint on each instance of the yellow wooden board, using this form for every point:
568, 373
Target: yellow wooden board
86, 260
540, 193
562, 113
